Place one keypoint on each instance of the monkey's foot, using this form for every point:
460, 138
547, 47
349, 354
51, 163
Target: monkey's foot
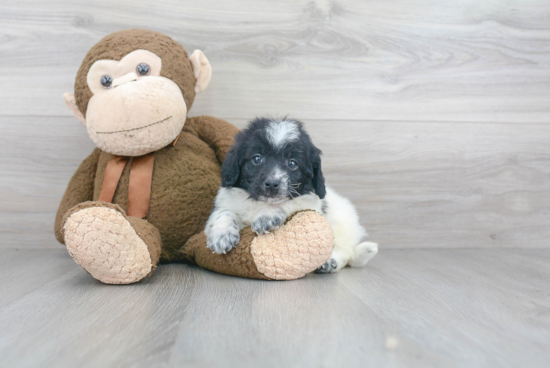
103, 241
299, 247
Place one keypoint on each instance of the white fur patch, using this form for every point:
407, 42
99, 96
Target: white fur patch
348, 233
279, 133
222, 231
279, 174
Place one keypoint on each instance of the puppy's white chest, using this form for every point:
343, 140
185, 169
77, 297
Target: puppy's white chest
256, 209
248, 210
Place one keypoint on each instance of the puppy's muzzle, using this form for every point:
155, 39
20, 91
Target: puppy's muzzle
272, 187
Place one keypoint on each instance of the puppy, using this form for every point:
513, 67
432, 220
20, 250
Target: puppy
272, 171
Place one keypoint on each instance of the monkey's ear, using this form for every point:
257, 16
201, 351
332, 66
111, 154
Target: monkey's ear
202, 70
71, 104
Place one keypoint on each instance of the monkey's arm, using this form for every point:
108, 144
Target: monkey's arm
217, 133
80, 189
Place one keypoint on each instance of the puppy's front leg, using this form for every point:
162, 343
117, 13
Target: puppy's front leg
222, 231
268, 220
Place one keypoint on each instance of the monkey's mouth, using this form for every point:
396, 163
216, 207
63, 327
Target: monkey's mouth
134, 129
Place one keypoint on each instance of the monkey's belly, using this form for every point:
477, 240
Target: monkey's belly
182, 198
185, 181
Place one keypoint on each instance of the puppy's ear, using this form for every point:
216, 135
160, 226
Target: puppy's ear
231, 168
318, 179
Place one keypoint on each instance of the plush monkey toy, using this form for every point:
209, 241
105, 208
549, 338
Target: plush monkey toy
146, 191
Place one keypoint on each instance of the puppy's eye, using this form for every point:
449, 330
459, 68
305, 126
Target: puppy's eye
106, 81
292, 165
143, 69
256, 160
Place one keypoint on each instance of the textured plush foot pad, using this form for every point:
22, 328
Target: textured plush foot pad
298, 248
103, 242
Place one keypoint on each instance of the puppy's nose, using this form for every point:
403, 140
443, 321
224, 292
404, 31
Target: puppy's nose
272, 183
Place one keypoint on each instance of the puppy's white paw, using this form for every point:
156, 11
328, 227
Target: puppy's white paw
222, 238
363, 253
267, 223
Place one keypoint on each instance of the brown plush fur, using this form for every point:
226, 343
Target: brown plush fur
185, 181
150, 236
80, 189
175, 61
238, 262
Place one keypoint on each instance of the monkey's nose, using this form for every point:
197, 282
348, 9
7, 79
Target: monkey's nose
130, 77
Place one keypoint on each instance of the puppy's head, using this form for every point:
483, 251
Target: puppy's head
274, 161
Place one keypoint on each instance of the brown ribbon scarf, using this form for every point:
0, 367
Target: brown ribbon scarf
139, 188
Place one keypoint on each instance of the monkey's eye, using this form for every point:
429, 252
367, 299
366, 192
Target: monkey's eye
106, 81
292, 165
143, 69
256, 160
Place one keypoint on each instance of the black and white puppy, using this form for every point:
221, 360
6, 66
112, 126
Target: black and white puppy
272, 171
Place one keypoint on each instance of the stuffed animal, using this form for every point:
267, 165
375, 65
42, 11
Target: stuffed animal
144, 194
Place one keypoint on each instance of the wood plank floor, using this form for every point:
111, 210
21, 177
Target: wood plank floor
408, 308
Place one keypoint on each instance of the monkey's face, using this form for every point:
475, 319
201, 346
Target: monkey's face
133, 91
133, 110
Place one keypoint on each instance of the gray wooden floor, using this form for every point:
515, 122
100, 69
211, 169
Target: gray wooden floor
408, 308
